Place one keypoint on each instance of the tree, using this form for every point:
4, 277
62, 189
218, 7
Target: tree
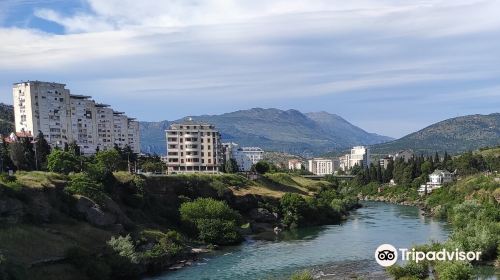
231, 166
262, 167
60, 161
5, 161
108, 160
42, 151
214, 221
22, 154
293, 207
74, 148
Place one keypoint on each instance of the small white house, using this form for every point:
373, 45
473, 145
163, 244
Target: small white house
436, 181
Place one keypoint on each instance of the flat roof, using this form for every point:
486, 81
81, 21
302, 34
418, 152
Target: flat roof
40, 82
79, 96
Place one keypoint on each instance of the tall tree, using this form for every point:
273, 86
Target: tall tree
42, 151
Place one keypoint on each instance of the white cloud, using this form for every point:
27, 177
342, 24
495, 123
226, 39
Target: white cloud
247, 53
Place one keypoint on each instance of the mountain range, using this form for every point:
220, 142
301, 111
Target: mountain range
454, 135
318, 133
275, 130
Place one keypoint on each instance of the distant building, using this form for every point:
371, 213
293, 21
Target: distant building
294, 164
63, 118
360, 156
436, 181
193, 147
384, 162
320, 166
404, 154
246, 157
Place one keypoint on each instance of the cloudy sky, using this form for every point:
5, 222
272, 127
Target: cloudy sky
388, 66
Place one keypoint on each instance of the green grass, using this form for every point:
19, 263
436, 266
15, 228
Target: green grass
40, 179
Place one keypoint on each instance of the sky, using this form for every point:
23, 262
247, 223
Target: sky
389, 66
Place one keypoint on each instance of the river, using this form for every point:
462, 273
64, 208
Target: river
333, 251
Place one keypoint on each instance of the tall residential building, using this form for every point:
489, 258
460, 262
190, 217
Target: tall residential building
246, 157
45, 107
320, 166
120, 129
83, 123
63, 118
193, 147
133, 135
105, 127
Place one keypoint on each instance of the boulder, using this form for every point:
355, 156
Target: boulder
262, 227
263, 215
93, 212
11, 210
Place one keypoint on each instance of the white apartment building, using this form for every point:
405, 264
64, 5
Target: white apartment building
320, 166
105, 127
44, 107
133, 135
120, 129
360, 155
246, 157
294, 164
83, 123
63, 118
193, 147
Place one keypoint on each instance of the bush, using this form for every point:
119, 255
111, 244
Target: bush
454, 271
214, 221
81, 184
293, 208
124, 247
302, 275
410, 270
60, 161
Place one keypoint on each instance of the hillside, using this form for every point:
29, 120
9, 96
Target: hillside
273, 129
6, 119
454, 135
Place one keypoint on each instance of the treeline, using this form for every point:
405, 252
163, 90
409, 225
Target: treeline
415, 171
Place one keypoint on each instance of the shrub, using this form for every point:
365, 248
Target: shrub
454, 271
410, 270
81, 184
124, 247
293, 207
214, 221
60, 161
302, 275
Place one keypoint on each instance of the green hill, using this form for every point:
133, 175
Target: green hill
454, 135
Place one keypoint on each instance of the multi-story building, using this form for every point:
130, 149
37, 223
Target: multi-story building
294, 164
193, 147
120, 129
360, 156
436, 181
63, 118
384, 162
133, 135
246, 157
44, 107
320, 166
105, 127
83, 123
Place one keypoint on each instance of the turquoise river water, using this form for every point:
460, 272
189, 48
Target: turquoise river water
343, 251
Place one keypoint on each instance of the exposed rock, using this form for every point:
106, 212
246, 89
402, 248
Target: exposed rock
113, 208
93, 212
262, 227
11, 210
263, 215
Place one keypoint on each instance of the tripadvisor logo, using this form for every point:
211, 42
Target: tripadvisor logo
387, 255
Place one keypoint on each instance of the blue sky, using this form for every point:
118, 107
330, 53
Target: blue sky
389, 66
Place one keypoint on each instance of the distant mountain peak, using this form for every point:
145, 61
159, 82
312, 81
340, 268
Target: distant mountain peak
280, 130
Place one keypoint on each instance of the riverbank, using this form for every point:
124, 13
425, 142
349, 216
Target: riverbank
56, 226
328, 251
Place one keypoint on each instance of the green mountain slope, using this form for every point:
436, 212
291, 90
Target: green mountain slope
273, 129
454, 135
